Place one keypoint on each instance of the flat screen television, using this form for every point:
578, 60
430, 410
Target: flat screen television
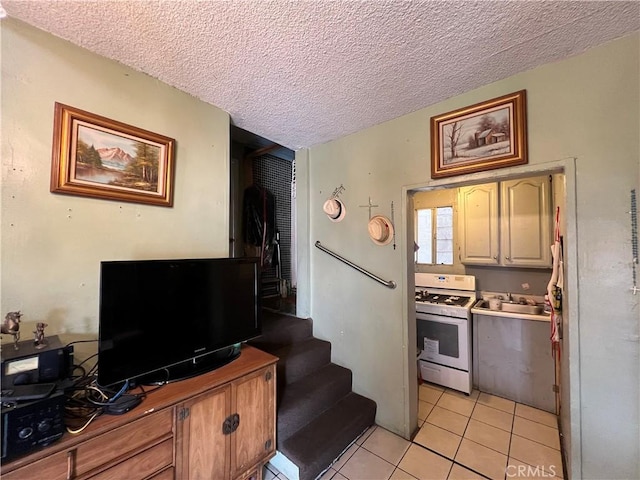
166, 320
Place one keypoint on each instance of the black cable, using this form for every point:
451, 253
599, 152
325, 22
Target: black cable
86, 400
81, 341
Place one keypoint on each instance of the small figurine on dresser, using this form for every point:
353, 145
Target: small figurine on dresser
40, 341
11, 326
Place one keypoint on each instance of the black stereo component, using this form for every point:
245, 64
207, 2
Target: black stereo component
28, 364
28, 426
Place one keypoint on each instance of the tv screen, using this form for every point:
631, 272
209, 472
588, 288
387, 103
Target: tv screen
163, 320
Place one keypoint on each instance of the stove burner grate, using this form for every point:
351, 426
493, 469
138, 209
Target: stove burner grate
442, 299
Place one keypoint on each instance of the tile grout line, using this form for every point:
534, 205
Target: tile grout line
536, 441
513, 421
469, 468
535, 421
370, 431
462, 437
384, 459
469, 418
475, 403
453, 460
511, 434
436, 453
543, 466
402, 458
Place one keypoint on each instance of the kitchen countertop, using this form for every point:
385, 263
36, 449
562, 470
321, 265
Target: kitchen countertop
522, 316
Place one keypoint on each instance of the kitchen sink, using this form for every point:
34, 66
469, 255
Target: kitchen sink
513, 307
520, 308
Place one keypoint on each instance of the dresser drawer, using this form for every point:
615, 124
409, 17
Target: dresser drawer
53, 467
166, 474
121, 441
102, 450
142, 465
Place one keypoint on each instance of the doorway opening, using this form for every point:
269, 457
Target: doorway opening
262, 213
563, 196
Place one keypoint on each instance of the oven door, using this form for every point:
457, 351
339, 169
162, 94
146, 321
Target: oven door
443, 340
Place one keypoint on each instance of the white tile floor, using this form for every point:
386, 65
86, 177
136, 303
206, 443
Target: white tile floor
460, 437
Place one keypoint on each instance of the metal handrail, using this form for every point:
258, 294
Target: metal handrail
389, 284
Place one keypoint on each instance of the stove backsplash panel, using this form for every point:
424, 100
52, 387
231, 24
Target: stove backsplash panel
517, 281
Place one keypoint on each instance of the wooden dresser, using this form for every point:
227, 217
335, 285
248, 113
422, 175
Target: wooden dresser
219, 425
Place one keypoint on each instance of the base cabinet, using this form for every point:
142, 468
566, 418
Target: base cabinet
254, 396
218, 425
223, 434
513, 359
204, 450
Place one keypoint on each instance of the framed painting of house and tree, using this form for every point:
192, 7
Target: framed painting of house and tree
484, 136
94, 156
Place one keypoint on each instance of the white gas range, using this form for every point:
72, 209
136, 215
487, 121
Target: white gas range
443, 314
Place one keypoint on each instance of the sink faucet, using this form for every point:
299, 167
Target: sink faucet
509, 297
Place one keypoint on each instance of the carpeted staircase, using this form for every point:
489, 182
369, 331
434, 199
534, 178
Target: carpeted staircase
318, 416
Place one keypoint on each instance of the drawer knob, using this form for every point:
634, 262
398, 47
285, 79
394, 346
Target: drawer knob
70, 464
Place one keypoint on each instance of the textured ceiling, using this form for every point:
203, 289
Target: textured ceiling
300, 73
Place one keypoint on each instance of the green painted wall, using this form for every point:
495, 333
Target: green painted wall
52, 244
586, 108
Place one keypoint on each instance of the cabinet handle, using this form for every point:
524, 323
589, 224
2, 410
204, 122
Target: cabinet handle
183, 414
267, 444
70, 464
230, 424
267, 376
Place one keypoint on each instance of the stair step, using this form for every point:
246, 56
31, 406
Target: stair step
300, 359
302, 401
318, 414
315, 446
279, 329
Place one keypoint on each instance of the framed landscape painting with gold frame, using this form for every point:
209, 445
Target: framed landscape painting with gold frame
480, 137
97, 157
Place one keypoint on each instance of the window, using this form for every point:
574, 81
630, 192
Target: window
434, 232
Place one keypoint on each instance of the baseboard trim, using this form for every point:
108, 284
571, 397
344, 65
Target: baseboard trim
286, 466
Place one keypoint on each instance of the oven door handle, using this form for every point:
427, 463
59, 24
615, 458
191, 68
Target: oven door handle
440, 319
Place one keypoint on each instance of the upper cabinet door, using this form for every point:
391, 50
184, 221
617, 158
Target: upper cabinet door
526, 222
478, 220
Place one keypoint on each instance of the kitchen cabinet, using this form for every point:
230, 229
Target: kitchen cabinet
513, 359
506, 223
217, 425
525, 220
478, 220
